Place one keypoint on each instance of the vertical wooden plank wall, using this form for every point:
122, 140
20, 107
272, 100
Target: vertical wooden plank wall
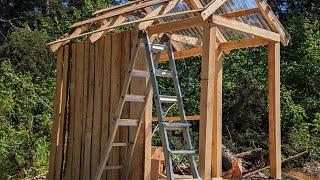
89, 80
57, 148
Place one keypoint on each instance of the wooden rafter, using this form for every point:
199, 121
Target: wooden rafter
105, 10
211, 8
240, 13
118, 12
243, 43
162, 9
273, 21
246, 28
128, 23
55, 47
118, 20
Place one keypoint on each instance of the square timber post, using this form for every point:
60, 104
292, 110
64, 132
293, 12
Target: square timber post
274, 109
210, 125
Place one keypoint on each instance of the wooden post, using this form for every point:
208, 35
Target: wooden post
274, 110
216, 166
207, 100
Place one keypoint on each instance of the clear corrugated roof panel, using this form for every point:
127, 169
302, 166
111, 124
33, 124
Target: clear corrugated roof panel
229, 6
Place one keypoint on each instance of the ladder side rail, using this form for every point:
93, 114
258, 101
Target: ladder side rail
126, 83
176, 81
186, 133
157, 102
129, 152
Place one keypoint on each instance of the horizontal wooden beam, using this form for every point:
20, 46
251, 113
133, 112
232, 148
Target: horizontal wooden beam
177, 118
211, 8
176, 25
194, 41
118, 12
246, 28
240, 13
243, 43
273, 21
178, 55
125, 24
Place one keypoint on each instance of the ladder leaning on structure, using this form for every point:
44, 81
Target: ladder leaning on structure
153, 54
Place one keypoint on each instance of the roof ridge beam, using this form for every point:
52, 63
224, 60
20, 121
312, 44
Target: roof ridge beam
211, 8
246, 28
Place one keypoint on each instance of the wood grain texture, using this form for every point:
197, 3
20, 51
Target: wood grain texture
125, 60
216, 163
56, 122
87, 112
62, 110
106, 95
207, 100
274, 110
71, 119
115, 91
78, 112
96, 124
137, 87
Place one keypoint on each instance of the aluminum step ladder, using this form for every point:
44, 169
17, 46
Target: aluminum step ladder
153, 52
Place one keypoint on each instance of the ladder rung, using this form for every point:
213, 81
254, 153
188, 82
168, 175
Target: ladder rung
139, 73
134, 98
119, 144
164, 73
168, 99
182, 151
113, 167
176, 125
158, 47
128, 122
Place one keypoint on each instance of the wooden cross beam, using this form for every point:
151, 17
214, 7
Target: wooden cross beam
246, 28
273, 21
243, 43
211, 8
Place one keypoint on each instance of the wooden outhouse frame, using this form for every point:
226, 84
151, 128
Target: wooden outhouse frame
149, 15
